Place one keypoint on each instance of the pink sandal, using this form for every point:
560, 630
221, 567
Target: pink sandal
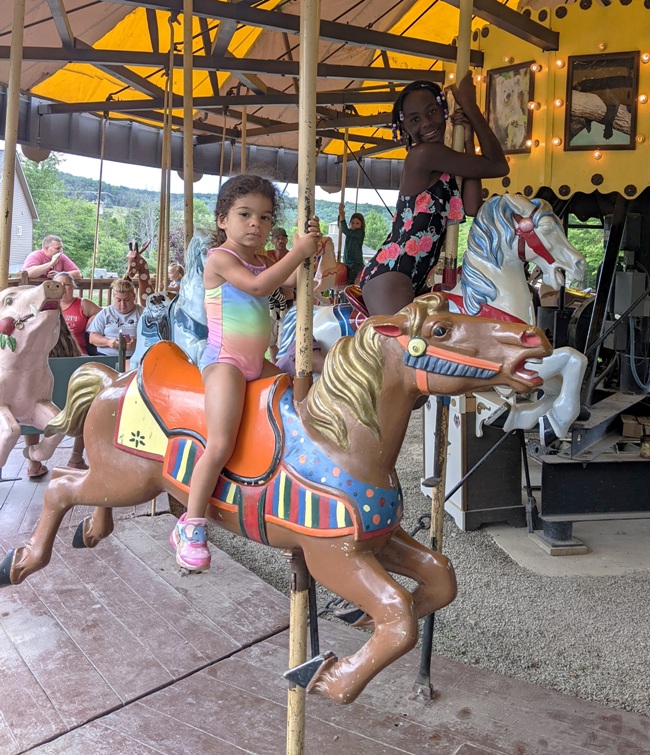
36, 474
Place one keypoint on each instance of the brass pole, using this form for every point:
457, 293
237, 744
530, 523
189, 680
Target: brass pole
98, 211
309, 30
299, 606
449, 274
344, 178
244, 125
11, 138
188, 122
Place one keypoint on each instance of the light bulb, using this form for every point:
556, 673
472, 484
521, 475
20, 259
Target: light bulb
602, 46
559, 63
477, 149
532, 142
479, 79
536, 67
556, 141
640, 138
507, 59
452, 76
645, 57
533, 105
597, 155
643, 98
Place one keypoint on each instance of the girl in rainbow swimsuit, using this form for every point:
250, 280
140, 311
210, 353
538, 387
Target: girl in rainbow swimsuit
237, 284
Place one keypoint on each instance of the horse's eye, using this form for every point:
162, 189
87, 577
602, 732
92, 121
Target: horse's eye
439, 331
8, 301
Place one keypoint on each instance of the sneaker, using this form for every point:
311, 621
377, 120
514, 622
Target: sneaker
190, 539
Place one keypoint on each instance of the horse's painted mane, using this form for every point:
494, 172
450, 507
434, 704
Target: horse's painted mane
492, 231
352, 376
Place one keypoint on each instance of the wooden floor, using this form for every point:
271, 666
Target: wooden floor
111, 650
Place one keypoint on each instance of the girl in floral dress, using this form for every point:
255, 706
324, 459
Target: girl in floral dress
429, 196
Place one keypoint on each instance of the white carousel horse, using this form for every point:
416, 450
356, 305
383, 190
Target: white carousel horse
181, 319
507, 231
330, 274
510, 230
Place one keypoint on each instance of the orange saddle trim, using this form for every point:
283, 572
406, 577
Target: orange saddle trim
172, 388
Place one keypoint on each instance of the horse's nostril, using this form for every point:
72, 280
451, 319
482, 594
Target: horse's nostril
530, 338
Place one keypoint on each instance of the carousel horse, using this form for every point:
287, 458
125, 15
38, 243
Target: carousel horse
508, 231
330, 274
29, 329
183, 319
292, 481
138, 270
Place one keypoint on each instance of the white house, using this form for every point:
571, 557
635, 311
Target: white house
24, 216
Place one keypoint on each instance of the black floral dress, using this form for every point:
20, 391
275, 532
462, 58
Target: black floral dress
418, 233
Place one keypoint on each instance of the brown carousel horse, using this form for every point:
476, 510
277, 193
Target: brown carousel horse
138, 271
292, 481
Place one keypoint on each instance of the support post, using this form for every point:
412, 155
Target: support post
244, 126
188, 122
309, 36
11, 138
344, 178
423, 685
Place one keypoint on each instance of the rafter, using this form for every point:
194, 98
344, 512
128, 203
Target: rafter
284, 99
60, 18
95, 57
329, 30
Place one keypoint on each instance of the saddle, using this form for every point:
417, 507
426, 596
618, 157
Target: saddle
171, 386
355, 297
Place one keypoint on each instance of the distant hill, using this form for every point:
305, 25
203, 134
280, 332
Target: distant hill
122, 196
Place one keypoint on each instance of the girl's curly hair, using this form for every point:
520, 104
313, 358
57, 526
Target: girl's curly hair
240, 186
397, 119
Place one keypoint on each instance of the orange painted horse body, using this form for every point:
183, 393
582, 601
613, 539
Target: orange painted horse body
292, 481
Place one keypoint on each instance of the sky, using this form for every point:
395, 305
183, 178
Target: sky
121, 174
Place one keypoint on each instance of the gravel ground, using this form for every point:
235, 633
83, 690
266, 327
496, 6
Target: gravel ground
586, 636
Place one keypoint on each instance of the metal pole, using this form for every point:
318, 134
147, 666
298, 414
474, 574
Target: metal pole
344, 178
423, 685
244, 125
309, 37
11, 138
309, 30
188, 122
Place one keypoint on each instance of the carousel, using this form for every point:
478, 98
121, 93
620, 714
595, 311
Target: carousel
520, 367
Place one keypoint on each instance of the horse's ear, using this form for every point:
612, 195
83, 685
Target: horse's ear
145, 246
391, 326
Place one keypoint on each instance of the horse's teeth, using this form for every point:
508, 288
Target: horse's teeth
534, 361
34, 309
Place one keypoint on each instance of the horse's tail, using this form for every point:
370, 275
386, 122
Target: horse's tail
85, 385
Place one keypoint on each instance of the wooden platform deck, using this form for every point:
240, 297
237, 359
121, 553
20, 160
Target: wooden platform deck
111, 650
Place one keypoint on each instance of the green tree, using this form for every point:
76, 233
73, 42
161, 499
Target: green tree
377, 228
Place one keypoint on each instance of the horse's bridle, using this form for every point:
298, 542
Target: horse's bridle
525, 230
417, 348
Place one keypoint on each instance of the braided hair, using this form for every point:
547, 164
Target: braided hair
397, 118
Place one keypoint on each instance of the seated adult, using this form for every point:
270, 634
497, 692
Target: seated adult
77, 312
50, 260
119, 317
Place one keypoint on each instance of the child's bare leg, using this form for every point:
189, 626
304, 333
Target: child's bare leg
225, 389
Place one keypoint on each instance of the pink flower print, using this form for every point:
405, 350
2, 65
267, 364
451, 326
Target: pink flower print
392, 251
422, 203
407, 219
425, 244
412, 247
445, 177
381, 257
456, 209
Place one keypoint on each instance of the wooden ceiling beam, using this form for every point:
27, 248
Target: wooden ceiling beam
330, 31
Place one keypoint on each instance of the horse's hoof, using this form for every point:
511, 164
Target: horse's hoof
78, 539
5, 569
305, 673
